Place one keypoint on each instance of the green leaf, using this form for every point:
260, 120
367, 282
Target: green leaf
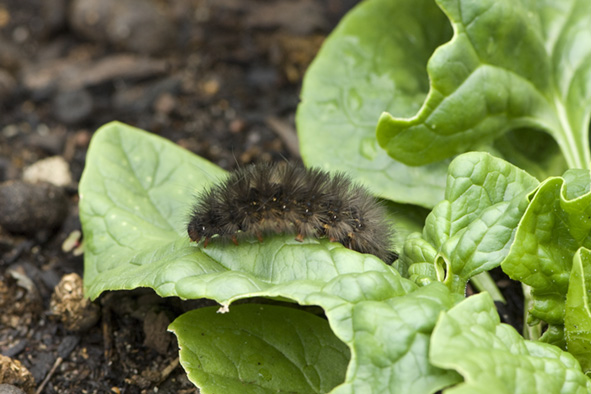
135, 193
423, 273
510, 65
374, 61
390, 343
555, 225
386, 328
472, 230
577, 319
417, 249
135, 196
493, 358
260, 349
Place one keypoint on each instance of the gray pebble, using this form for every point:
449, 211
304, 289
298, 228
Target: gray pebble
10, 389
136, 25
72, 107
141, 97
27, 208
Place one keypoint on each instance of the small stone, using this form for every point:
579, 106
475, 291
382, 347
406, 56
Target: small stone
210, 87
51, 141
237, 126
165, 103
71, 74
296, 16
141, 26
73, 243
143, 96
20, 301
10, 389
54, 170
75, 311
73, 107
263, 77
82, 138
27, 208
12, 372
4, 17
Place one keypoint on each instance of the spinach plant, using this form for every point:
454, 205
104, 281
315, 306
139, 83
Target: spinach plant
508, 82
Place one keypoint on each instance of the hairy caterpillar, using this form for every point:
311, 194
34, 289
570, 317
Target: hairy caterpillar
287, 198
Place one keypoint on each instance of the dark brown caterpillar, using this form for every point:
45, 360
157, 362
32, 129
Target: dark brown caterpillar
286, 198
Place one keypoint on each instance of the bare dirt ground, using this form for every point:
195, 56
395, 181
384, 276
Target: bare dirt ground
220, 78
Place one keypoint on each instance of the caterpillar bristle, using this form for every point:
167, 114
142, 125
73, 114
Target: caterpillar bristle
263, 199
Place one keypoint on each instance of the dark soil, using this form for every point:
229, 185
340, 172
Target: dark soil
218, 77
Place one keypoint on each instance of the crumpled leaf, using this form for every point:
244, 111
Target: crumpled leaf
390, 343
493, 358
374, 61
260, 349
555, 225
135, 193
472, 230
386, 328
511, 65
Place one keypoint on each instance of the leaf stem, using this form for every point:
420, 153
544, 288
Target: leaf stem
574, 146
529, 332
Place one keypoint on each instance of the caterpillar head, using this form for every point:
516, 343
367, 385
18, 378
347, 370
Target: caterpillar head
203, 225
